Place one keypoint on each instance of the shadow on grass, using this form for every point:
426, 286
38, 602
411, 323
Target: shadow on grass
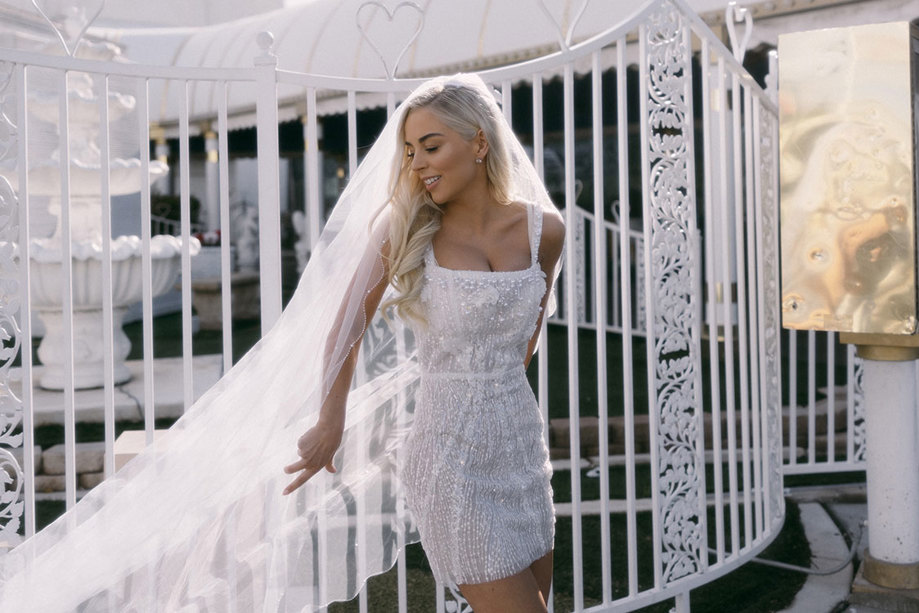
752, 588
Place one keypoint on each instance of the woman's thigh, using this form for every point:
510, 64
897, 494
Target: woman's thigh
525, 592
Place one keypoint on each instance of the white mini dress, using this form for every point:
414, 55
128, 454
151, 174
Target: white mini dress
476, 467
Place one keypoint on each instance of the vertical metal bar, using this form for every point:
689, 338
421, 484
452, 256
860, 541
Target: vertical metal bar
811, 397
695, 287
850, 403
70, 476
313, 193
792, 397
185, 217
401, 576
600, 306
223, 187
25, 323
772, 304
571, 289
650, 307
439, 602
105, 264
507, 90
714, 351
269, 221
542, 359
727, 316
625, 253
361, 502
400, 507
226, 266
740, 248
831, 398
352, 134
143, 124
756, 261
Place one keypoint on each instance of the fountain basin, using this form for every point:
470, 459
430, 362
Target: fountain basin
46, 280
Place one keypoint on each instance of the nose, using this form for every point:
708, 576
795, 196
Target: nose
417, 161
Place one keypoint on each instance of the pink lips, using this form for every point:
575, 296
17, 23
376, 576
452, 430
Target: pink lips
430, 186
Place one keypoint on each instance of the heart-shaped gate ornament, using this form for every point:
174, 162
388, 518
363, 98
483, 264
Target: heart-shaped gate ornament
69, 19
564, 36
365, 15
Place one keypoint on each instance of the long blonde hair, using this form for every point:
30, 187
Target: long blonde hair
414, 216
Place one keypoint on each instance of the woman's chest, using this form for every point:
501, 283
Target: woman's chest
477, 302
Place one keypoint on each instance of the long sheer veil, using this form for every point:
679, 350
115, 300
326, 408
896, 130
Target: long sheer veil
197, 521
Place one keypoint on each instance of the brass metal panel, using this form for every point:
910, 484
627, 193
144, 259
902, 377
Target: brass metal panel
848, 179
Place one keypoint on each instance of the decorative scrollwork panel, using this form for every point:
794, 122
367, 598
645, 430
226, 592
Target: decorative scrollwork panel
11, 473
672, 283
771, 345
858, 417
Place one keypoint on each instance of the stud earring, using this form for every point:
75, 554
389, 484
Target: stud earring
478, 160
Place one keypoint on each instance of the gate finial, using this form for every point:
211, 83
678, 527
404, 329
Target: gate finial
69, 20
735, 14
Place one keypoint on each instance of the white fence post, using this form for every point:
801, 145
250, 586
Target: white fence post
269, 221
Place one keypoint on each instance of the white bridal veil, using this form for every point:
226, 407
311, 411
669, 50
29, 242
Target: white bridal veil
197, 522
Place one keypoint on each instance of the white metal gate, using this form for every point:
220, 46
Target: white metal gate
669, 292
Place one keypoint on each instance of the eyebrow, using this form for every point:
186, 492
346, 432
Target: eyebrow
424, 138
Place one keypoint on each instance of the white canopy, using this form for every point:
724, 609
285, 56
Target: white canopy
339, 37
361, 39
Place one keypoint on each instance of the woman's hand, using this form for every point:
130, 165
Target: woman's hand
316, 449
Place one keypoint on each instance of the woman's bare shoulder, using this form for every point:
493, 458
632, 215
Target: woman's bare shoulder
553, 233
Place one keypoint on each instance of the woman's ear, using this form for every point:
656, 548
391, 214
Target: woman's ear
481, 144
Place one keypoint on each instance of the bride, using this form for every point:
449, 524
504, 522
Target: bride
447, 226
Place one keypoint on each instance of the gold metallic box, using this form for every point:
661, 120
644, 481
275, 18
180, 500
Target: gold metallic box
848, 110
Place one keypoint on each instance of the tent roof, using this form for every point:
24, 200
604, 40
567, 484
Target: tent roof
361, 39
354, 38
324, 36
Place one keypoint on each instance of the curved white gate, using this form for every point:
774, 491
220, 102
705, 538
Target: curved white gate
668, 330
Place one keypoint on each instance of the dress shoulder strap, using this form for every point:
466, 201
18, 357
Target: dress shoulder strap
534, 224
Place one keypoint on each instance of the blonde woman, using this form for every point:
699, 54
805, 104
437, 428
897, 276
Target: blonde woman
472, 268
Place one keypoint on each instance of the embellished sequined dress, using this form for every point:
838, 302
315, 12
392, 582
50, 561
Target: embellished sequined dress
476, 471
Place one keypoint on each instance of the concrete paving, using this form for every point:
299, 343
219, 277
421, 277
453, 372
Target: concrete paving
830, 515
828, 549
128, 405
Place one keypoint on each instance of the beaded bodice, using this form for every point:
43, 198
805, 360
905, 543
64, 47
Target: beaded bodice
480, 322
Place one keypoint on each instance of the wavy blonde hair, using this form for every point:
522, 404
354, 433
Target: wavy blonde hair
414, 216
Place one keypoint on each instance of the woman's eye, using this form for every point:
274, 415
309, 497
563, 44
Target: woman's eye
431, 149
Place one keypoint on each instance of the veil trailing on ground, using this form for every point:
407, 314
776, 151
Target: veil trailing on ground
197, 521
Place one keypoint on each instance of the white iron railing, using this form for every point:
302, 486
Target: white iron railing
675, 341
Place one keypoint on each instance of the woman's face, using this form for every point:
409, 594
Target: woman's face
440, 157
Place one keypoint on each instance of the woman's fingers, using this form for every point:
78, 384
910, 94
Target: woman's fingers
316, 449
307, 470
302, 478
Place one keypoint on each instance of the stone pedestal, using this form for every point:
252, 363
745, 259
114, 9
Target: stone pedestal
207, 299
88, 350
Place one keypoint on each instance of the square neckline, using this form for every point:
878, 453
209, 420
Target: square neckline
532, 238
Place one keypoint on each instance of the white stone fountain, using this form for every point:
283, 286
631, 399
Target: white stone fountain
85, 206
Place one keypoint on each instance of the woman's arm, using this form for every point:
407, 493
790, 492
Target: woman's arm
318, 445
550, 249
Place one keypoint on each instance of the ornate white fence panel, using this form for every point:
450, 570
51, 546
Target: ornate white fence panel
668, 332
824, 409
